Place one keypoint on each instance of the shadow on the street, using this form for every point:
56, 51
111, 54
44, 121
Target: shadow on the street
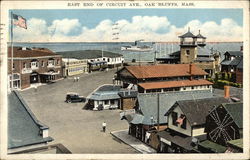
116, 139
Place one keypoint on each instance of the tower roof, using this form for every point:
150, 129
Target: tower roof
200, 36
187, 35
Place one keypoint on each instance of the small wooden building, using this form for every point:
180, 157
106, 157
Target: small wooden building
186, 122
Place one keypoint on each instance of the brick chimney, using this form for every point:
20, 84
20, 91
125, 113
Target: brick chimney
226, 91
191, 70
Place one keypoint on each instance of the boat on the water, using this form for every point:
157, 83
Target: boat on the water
138, 48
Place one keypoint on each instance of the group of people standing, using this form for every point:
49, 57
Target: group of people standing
76, 79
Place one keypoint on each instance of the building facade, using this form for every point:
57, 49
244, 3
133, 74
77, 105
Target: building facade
104, 97
233, 63
74, 67
163, 78
96, 59
33, 65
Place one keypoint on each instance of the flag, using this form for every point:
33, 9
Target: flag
180, 120
19, 21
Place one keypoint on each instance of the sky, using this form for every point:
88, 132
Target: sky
112, 25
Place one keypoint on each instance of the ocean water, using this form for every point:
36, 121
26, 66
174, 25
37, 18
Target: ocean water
163, 49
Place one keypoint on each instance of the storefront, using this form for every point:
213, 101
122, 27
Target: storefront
48, 76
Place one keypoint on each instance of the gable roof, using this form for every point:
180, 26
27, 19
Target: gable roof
197, 110
88, 54
30, 52
236, 112
148, 102
23, 127
234, 53
172, 84
164, 70
235, 62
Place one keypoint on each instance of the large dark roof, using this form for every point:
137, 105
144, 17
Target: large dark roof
88, 54
23, 127
240, 65
236, 112
234, 92
175, 54
148, 102
235, 62
197, 110
203, 51
235, 53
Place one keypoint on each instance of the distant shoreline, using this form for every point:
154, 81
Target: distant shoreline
117, 42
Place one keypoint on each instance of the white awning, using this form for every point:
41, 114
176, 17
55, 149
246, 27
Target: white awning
49, 73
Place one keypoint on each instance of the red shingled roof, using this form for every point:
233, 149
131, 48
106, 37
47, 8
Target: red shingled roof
172, 84
34, 52
164, 70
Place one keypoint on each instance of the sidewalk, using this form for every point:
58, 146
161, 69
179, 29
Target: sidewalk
133, 142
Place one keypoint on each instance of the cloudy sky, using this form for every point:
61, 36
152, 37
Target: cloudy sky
102, 25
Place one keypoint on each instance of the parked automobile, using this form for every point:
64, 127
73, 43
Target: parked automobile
74, 97
113, 107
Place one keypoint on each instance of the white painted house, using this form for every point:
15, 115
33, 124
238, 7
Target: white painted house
105, 97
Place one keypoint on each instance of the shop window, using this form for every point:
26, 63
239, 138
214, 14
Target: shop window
112, 102
106, 102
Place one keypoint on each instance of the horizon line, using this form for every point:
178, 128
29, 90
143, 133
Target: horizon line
134, 41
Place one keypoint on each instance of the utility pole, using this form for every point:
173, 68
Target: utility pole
158, 111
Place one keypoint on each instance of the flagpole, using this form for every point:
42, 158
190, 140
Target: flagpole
11, 41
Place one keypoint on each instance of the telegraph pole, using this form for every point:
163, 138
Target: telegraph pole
158, 111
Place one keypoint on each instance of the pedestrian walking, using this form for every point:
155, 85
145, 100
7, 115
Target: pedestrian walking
74, 79
78, 79
104, 126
